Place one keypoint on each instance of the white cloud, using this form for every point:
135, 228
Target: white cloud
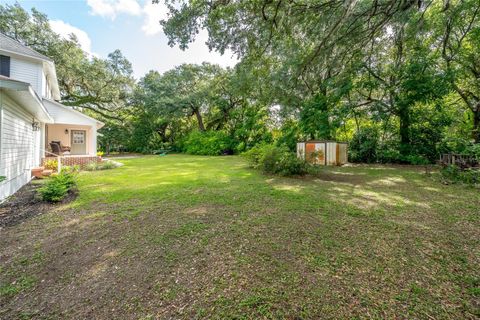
153, 14
110, 8
64, 29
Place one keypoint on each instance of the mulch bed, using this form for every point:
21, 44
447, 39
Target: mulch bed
25, 204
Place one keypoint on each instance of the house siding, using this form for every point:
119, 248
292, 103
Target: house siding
27, 71
19, 150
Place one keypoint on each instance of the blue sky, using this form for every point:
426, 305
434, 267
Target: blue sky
129, 25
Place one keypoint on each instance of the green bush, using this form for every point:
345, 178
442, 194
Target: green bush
453, 174
474, 150
275, 160
92, 166
71, 169
364, 145
211, 143
57, 187
417, 160
104, 165
2, 178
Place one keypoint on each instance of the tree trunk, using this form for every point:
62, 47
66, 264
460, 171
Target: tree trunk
404, 117
201, 126
476, 124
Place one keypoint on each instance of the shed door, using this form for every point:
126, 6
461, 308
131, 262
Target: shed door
320, 149
79, 142
309, 152
315, 152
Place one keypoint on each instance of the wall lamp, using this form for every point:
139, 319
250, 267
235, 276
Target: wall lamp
35, 126
66, 131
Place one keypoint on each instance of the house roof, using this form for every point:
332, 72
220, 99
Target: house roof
11, 45
28, 99
58, 112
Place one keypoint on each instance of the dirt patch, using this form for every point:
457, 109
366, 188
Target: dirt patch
25, 204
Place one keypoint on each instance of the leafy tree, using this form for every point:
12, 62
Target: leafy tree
458, 28
100, 85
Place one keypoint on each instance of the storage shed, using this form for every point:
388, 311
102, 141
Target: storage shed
323, 152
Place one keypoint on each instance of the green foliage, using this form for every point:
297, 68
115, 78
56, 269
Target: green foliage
51, 164
23, 283
288, 135
453, 174
416, 159
3, 178
275, 160
57, 187
208, 143
91, 83
401, 86
104, 165
314, 118
474, 150
71, 169
364, 145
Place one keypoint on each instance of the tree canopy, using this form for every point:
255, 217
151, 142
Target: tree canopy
397, 79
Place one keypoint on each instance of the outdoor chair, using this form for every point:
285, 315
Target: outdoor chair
62, 147
56, 149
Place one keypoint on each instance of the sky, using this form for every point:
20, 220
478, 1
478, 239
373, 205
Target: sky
129, 25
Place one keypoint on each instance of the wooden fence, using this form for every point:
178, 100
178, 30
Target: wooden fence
460, 160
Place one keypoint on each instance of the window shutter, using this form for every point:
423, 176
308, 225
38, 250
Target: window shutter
5, 66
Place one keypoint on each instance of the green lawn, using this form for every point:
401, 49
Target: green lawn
206, 237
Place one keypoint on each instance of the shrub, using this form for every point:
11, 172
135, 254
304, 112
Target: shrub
51, 164
364, 145
2, 178
275, 160
57, 187
104, 165
100, 153
453, 174
417, 159
92, 166
210, 143
474, 150
254, 155
71, 169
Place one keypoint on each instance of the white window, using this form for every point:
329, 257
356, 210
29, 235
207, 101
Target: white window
78, 137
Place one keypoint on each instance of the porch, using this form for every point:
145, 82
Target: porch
72, 160
72, 140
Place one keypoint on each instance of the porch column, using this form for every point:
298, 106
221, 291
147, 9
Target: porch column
43, 145
93, 141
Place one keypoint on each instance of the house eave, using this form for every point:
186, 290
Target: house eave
98, 124
22, 91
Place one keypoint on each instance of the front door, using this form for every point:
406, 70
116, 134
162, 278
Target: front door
79, 142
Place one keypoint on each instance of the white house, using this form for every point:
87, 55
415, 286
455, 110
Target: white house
31, 118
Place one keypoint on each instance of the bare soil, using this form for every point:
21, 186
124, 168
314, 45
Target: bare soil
25, 204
